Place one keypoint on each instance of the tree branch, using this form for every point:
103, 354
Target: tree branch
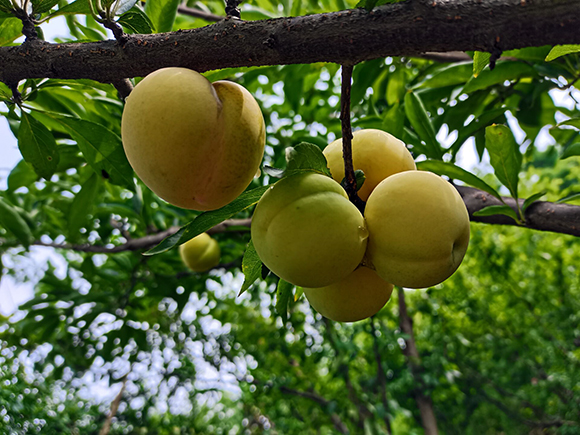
114, 407
349, 176
403, 29
541, 215
196, 13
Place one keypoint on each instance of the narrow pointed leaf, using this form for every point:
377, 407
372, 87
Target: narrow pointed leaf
497, 209
505, 156
503, 71
419, 119
37, 146
569, 198
82, 205
561, 50
475, 125
13, 222
102, 149
283, 297
480, 61
571, 151
251, 267
457, 173
574, 122
531, 199
209, 219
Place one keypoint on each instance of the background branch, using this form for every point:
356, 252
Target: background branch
401, 29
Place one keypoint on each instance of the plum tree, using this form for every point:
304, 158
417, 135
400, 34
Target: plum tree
377, 153
196, 144
307, 232
418, 229
200, 253
358, 296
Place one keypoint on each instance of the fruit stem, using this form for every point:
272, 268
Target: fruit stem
347, 137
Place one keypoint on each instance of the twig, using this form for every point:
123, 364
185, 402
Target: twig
207, 16
114, 407
347, 137
124, 87
232, 10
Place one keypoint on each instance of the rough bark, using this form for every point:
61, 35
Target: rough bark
541, 215
408, 28
423, 401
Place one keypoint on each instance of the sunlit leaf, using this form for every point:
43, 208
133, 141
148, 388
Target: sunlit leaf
562, 50
480, 61
497, 209
162, 13
531, 199
251, 267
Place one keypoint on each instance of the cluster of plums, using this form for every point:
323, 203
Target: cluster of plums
198, 145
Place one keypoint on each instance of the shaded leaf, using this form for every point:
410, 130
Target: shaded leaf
13, 222
505, 156
251, 267
480, 61
454, 74
125, 5
503, 71
41, 6
283, 297
162, 13
37, 146
136, 21
21, 175
82, 206
562, 50
102, 148
497, 209
475, 125
531, 199
457, 173
571, 151
78, 7
209, 219
419, 119
6, 6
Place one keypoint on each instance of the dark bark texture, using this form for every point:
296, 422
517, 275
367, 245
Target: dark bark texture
409, 28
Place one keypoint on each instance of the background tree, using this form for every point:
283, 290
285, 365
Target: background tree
494, 349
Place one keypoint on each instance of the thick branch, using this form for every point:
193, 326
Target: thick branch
541, 215
406, 28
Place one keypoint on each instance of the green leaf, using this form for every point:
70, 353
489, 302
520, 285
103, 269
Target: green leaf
41, 6
497, 209
359, 178
457, 173
505, 156
123, 6
10, 29
569, 198
574, 122
82, 206
419, 119
283, 297
505, 70
6, 6
13, 222
475, 125
531, 199
251, 267
571, 151
78, 7
162, 13
37, 146
454, 74
396, 87
562, 50
102, 148
480, 61
209, 219
305, 157
136, 21
22, 175
298, 294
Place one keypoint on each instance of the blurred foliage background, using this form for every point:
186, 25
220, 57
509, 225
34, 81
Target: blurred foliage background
499, 342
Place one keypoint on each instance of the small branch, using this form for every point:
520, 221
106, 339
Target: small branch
338, 423
28, 27
117, 30
541, 215
16, 95
124, 87
347, 137
207, 16
380, 374
114, 407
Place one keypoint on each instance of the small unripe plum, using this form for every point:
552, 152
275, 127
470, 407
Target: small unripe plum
307, 232
418, 229
358, 296
195, 144
201, 253
377, 153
